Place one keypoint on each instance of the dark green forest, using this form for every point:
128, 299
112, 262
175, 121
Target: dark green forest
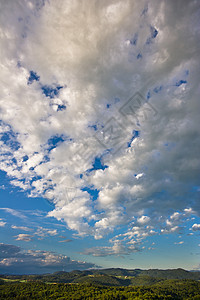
104, 284
167, 289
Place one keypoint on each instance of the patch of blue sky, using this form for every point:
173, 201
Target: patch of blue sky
45, 159
33, 77
9, 138
12, 197
135, 134
154, 33
94, 193
94, 126
14, 160
25, 158
180, 82
51, 91
97, 165
61, 107
35, 178
56, 140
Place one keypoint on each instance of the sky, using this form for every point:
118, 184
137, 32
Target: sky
99, 135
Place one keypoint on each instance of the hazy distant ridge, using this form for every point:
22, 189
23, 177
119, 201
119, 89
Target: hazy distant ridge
112, 276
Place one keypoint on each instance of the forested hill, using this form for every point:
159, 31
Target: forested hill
110, 277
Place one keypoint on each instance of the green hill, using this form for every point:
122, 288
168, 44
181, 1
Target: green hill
110, 277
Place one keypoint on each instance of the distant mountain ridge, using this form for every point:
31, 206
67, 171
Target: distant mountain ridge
111, 276
165, 274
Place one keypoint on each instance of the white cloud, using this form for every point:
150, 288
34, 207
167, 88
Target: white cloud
65, 241
21, 228
171, 229
2, 224
100, 53
189, 210
14, 258
45, 232
14, 212
40, 232
117, 249
139, 175
179, 243
196, 227
143, 219
52, 232
24, 237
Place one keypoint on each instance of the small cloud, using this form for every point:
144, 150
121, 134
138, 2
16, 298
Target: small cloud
2, 224
171, 229
24, 237
143, 220
44, 232
117, 249
52, 232
14, 212
139, 175
21, 228
176, 215
189, 211
179, 243
196, 227
65, 241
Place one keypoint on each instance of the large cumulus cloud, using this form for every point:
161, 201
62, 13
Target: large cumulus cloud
15, 260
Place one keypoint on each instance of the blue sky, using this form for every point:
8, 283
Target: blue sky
99, 135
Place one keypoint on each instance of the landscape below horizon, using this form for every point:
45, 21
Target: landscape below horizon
109, 284
111, 276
